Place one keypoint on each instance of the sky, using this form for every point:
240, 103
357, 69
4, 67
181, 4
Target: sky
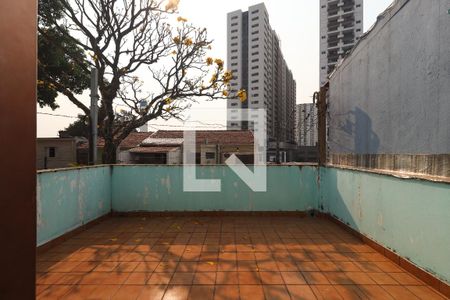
295, 21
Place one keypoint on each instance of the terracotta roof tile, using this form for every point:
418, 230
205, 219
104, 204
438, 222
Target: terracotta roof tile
153, 149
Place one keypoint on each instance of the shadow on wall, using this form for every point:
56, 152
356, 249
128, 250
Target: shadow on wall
354, 134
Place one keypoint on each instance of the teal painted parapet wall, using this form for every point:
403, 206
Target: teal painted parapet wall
67, 199
409, 216
160, 188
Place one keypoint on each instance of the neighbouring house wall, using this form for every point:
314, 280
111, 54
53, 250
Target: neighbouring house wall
67, 199
160, 188
65, 153
174, 157
409, 216
391, 94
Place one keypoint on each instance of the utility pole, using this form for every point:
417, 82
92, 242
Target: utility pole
93, 117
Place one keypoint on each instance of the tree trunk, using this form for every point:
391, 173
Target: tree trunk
109, 152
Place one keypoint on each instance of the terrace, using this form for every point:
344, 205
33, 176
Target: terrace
129, 232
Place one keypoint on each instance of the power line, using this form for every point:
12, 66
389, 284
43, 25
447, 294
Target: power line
56, 115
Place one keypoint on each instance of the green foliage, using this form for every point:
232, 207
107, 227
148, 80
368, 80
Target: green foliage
79, 128
62, 65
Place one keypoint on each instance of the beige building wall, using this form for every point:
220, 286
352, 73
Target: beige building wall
52, 153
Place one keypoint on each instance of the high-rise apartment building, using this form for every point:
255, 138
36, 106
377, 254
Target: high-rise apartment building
341, 26
258, 66
306, 125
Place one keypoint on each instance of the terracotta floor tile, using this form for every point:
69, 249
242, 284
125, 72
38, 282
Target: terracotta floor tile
303, 292
399, 292
326, 292
204, 278
249, 278
294, 278
40, 288
350, 292
48, 278
382, 278
271, 278
289, 266
315, 278
307, 266
227, 266
389, 267
201, 292
182, 279
128, 292
251, 292
224, 257
338, 278
327, 266
152, 292
127, 266
347, 266
85, 266
276, 292
80, 292
178, 292
71, 278
55, 292
375, 292
425, 292
146, 266
359, 278
406, 279
227, 278
104, 292
227, 292
207, 266
160, 278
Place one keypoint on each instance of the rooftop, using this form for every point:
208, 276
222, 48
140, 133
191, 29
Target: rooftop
221, 258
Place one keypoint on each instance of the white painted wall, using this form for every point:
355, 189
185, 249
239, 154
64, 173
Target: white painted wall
392, 94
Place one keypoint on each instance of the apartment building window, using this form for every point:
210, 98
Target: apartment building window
234, 31
255, 67
234, 37
234, 17
255, 74
234, 104
255, 53
358, 5
255, 18
255, 32
358, 30
234, 71
255, 81
255, 39
234, 64
255, 88
234, 51
255, 95
234, 84
323, 37
234, 57
324, 6
255, 46
255, 60
255, 102
234, 24
358, 22
234, 44
255, 11
255, 25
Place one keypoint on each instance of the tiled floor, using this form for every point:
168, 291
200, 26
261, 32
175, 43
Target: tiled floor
221, 258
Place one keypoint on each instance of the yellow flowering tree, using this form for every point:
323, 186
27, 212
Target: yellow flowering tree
151, 63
